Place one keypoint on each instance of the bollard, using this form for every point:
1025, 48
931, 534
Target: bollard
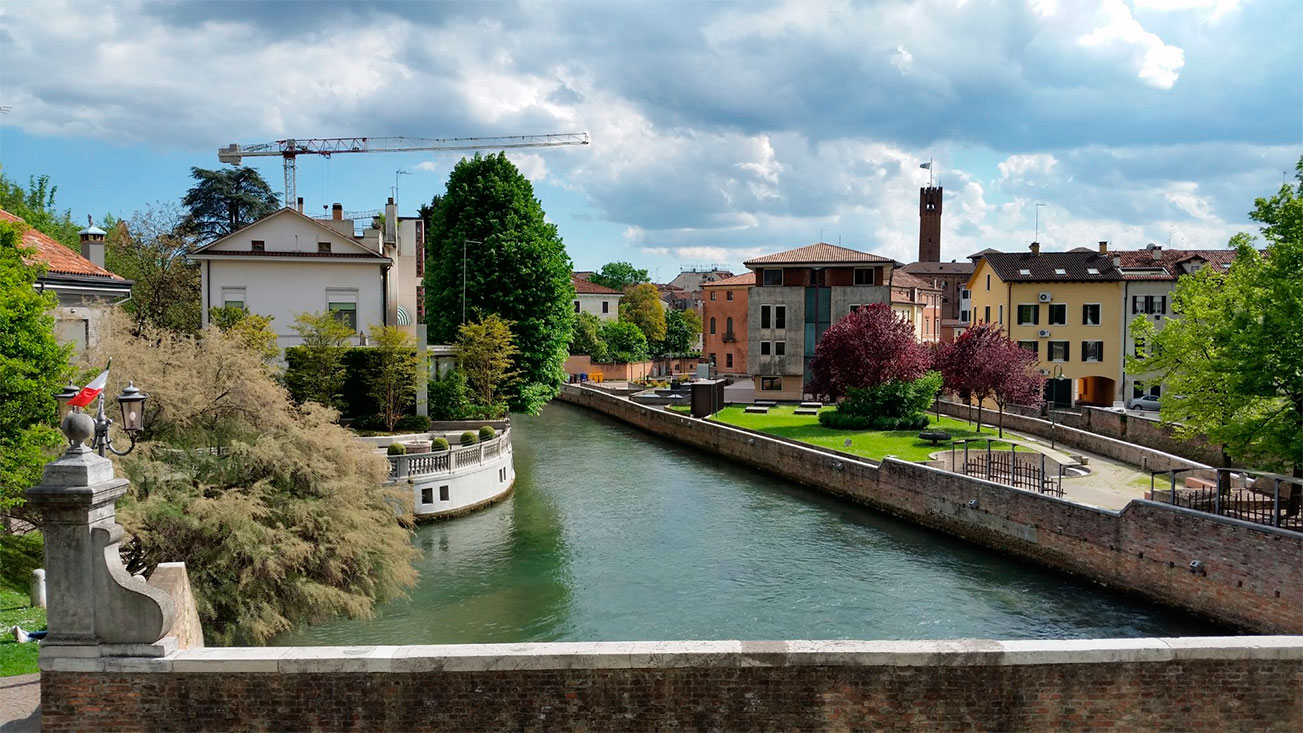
37, 588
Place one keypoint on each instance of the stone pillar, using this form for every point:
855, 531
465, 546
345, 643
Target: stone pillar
95, 607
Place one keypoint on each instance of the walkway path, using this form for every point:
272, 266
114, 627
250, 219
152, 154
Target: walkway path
20, 703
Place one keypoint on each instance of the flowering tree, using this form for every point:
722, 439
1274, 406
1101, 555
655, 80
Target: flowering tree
1017, 380
966, 365
865, 349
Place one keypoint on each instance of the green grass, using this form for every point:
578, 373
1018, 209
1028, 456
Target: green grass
685, 409
871, 444
19, 555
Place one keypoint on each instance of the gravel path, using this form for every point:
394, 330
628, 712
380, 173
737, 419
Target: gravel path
20, 703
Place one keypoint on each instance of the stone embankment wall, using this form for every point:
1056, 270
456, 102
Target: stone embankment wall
1216, 684
1248, 576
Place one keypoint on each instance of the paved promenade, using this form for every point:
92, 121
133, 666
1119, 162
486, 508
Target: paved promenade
20, 703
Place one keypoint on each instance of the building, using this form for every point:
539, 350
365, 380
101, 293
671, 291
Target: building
1148, 278
797, 295
929, 224
951, 279
918, 303
287, 263
1066, 307
599, 300
86, 290
724, 322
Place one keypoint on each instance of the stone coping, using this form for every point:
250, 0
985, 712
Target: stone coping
685, 654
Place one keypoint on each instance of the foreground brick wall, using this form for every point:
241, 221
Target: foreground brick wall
1251, 576
1200, 684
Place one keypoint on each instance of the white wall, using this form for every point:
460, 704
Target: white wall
592, 303
467, 488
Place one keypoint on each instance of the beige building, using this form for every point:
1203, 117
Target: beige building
599, 300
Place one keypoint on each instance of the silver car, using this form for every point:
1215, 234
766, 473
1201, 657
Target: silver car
1143, 402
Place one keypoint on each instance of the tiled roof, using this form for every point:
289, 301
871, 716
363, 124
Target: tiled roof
586, 287
939, 268
748, 278
820, 253
1169, 262
58, 259
1046, 266
902, 279
200, 254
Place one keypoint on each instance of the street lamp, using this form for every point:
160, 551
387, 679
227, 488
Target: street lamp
1058, 378
77, 426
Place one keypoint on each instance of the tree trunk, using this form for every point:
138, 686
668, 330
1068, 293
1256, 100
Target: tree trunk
1001, 418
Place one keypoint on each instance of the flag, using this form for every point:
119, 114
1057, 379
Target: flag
90, 391
927, 165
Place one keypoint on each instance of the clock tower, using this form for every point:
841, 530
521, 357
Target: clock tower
929, 224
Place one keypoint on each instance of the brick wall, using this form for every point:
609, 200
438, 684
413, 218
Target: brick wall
1251, 575
1137, 684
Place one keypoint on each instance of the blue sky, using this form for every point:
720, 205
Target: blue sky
719, 130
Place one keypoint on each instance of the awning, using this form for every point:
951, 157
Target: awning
404, 318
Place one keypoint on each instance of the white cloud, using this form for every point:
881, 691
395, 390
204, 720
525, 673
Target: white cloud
427, 166
1157, 63
1026, 169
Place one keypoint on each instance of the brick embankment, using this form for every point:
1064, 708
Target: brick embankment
1245, 575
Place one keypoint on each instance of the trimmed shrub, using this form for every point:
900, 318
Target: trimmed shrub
892, 405
469, 438
487, 432
397, 449
838, 420
440, 444
413, 424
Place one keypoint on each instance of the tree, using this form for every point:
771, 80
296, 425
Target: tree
619, 275
252, 329
966, 365
150, 250
865, 348
449, 397
587, 337
35, 205
515, 266
315, 370
485, 353
283, 515
226, 200
624, 342
1018, 380
396, 370
641, 306
681, 331
33, 367
896, 404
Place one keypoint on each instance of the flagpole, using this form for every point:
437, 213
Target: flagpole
929, 171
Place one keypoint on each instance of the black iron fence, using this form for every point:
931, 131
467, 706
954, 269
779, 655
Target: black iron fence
1260, 498
1023, 470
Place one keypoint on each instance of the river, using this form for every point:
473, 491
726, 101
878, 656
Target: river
614, 535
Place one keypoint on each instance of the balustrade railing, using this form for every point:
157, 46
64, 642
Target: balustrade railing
427, 464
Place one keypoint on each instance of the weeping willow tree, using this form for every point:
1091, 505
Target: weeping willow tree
279, 514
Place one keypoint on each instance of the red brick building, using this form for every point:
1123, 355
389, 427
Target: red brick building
724, 323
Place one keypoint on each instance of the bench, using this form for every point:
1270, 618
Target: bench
765, 403
760, 409
815, 405
805, 411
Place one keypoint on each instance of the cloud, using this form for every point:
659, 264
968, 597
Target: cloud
427, 166
1157, 63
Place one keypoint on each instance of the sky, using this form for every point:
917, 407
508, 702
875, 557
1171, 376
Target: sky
719, 131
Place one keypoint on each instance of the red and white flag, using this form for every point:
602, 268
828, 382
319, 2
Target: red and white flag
90, 391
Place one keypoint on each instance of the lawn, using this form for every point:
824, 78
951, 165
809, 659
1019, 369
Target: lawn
18, 556
871, 444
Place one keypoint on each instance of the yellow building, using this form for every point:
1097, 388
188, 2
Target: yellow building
1064, 306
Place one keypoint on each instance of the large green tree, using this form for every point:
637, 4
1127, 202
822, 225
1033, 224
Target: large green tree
642, 306
149, 249
225, 200
681, 331
35, 205
33, 366
1232, 358
619, 275
587, 337
515, 266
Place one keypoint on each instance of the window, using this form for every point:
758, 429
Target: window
576, 306
257, 245
712, 360
427, 495
1001, 307
1090, 314
1092, 271
712, 325
728, 326
1092, 351
1060, 271
780, 316
712, 295
1029, 314
764, 348
1058, 351
728, 360
1031, 346
986, 314
988, 281
964, 293
771, 383
728, 294
764, 316
780, 348
864, 276
443, 493
233, 297
1025, 272
963, 316
1156, 304
1139, 349
772, 277
855, 307
1058, 314
323, 247
606, 306
342, 304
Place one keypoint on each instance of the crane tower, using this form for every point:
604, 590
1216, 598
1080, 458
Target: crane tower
291, 148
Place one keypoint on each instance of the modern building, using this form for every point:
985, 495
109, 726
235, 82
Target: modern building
1066, 307
599, 300
798, 294
86, 290
917, 302
287, 263
724, 323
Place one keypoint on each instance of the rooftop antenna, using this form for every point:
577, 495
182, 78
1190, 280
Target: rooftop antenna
1037, 238
397, 173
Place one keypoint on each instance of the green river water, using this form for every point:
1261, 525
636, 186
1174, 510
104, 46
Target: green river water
615, 535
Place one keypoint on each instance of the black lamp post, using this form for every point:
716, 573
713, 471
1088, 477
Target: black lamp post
78, 426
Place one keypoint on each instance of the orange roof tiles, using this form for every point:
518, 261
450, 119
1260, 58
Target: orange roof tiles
748, 278
587, 287
58, 259
819, 253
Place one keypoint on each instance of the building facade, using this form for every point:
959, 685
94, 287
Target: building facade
918, 303
598, 300
724, 323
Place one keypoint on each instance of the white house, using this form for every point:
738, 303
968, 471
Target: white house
599, 300
287, 263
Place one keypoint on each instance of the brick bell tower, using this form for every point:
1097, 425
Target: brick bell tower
929, 224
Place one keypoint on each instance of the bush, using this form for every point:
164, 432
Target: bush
487, 432
440, 444
413, 424
468, 438
397, 449
449, 397
838, 420
892, 405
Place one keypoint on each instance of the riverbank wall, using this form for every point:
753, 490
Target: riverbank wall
1245, 575
1242, 683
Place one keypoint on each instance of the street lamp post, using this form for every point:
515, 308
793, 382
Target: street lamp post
1058, 379
79, 426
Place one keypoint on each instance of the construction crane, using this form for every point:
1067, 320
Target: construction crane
291, 148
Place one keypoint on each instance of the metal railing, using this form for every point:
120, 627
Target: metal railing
1261, 498
417, 465
1006, 467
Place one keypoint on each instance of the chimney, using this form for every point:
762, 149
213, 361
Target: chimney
92, 243
1156, 251
300, 204
337, 212
391, 221
1036, 248
1103, 248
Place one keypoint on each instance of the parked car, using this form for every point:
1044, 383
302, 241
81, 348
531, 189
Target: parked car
1143, 402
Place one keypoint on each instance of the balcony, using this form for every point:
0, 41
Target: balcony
729, 338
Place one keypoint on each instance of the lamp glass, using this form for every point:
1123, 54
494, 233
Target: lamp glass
64, 397
132, 404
